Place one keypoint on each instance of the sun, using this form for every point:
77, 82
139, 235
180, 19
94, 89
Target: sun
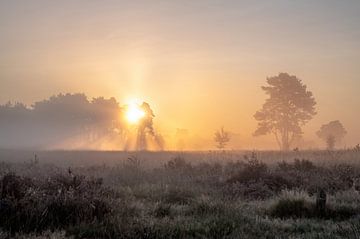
134, 113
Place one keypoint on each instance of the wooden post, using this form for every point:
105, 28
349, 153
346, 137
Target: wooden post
321, 202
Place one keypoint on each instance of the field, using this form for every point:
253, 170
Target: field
215, 194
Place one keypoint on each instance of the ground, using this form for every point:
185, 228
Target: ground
215, 194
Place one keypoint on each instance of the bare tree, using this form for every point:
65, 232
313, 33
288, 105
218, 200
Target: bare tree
289, 106
221, 138
332, 133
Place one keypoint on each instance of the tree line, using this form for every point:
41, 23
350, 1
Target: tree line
73, 121
75, 118
289, 106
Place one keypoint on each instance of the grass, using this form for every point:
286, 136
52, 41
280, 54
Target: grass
230, 196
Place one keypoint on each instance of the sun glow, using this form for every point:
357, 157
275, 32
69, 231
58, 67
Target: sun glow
134, 113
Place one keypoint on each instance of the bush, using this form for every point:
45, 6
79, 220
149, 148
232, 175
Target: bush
341, 212
254, 191
255, 181
298, 165
205, 207
56, 204
253, 170
14, 187
299, 205
288, 208
132, 164
178, 164
177, 196
162, 210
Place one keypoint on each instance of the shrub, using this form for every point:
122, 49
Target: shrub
14, 187
287, 207
291, 204
299, 205
205, 207
162, 210
253, 170
178, 164
232, 168
132, 164
340, 212
208, 169
255, 181
255, 190
177, 196
278, 182
54, 204
298, 165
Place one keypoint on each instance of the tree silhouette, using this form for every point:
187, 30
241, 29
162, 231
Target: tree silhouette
331, 133
221, 138
289, 106
146, 135
58, 119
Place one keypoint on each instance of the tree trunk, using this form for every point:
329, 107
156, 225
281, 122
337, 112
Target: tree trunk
285, 141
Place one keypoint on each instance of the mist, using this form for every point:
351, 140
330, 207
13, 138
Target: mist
64, 121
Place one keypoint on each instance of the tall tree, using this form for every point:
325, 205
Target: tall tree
332, 133
221, 138
289, 106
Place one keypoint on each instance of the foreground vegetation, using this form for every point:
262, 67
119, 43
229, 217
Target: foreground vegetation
227, 196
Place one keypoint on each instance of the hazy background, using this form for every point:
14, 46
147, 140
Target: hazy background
199, 64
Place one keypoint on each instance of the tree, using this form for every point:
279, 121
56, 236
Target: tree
331, 133
221, 138
289, 106
63, 120
330, 142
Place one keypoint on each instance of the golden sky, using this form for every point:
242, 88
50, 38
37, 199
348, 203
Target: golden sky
200, 64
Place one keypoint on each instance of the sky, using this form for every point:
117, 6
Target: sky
199, 64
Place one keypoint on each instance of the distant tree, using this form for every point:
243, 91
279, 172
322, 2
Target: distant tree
289, 106
331, 133
330, 142
221, 138
60, 119
357, 148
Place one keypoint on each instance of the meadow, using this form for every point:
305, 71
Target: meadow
213, 194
